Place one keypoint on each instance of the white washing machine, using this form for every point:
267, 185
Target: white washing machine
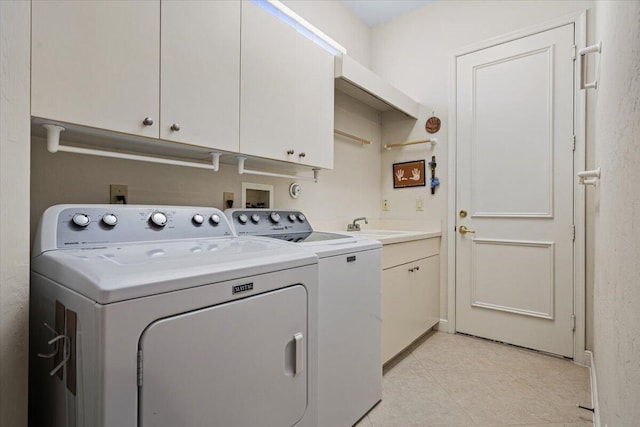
350, 310
158, 316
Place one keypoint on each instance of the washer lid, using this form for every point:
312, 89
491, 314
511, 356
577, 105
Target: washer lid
344, 244
121, 272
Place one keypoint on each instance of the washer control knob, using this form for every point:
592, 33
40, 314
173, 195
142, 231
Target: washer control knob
81, 220
110, 219
302, 218
275, 217
198, 219
242, 218
255, 218
292, 217
215, 219
158, 218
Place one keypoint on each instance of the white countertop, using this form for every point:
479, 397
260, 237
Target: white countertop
387, 237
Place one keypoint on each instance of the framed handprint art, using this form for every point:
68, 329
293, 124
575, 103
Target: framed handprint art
409, 174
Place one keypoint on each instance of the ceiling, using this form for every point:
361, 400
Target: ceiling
375, 12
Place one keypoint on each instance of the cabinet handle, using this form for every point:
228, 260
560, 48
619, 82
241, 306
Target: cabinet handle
148, 121
290, 152
175, 127
417, 267
411, 270
301, 155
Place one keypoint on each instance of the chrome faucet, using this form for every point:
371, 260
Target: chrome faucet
354, 226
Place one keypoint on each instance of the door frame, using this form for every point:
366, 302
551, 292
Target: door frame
579, 19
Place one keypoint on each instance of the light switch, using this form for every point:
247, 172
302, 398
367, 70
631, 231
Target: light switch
419, 205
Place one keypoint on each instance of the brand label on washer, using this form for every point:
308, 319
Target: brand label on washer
242, 288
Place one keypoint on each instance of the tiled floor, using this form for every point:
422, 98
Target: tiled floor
456, 380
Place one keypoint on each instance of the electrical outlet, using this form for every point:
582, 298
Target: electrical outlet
385, 205
119, 194
419, 205
227, 198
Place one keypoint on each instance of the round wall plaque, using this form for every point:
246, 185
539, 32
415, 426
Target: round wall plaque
433, 124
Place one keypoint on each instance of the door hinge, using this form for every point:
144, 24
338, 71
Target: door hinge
573, 322
573, 233
139, 369
574, 52
573, 144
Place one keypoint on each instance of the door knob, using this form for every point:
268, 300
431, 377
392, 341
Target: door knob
465, 230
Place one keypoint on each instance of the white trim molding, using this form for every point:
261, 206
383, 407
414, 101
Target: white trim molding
595, 402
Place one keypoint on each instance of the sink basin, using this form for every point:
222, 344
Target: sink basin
381, 232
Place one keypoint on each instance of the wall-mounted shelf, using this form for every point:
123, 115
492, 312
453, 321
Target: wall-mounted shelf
362, 84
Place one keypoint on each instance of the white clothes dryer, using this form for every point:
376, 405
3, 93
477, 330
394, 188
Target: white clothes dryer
350, 310
160, 316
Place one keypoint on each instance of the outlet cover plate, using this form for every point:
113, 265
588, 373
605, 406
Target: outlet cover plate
118, 194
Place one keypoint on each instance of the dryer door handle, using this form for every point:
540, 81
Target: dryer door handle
299, 341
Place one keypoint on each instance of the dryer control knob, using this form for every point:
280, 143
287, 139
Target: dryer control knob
275, 217
81, 220
110, 219
255, 218
242, 218
215, 219
198, 219
158, 218
302, 218
292, 217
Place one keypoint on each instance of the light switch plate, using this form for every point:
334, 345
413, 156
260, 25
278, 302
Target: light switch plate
419, 205
385, 205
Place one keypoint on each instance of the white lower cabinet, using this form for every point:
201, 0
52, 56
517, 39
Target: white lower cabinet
410, 297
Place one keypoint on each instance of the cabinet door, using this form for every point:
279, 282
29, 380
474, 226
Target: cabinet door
410, 303
200, 69
426, 282
286, 101
233, 364
314, 104
96, 63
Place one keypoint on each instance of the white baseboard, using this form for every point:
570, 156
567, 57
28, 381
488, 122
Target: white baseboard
443, 326
594, 390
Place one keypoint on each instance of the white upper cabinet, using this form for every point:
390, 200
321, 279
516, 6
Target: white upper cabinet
96, 63
200, 73
287, 84
225, 75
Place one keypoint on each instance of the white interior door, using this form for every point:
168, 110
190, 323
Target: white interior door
515, 110
242, 363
